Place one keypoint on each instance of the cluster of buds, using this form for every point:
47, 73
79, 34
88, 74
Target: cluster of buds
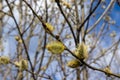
18, 39
22, 64
81, 53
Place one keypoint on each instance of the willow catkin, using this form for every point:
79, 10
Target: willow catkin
4, 60
49, 27
81, 51
73, 63
55, 47
107, 70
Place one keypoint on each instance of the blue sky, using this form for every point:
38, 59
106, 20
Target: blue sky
116, 15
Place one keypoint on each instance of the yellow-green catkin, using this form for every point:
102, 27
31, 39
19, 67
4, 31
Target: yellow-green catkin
49, 27
81, 51
4, 60
55, 47
23, 64
66, 4
16, 63
73, 63
18, 39
107, 70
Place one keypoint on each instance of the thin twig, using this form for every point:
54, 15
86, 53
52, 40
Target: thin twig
106, 10
28, 57
58, 3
